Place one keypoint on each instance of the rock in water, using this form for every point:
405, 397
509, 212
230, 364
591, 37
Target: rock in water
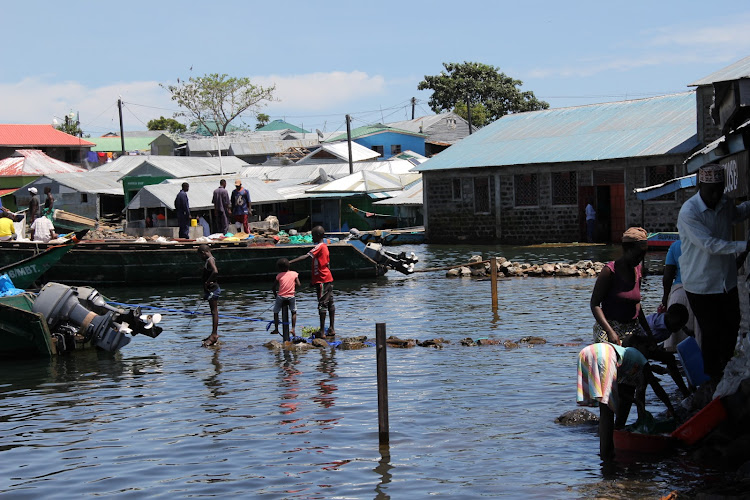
578, 416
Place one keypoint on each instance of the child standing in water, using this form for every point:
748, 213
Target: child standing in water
211, 292
322, 279
283, 290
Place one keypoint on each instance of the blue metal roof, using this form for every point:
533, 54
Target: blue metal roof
643, 127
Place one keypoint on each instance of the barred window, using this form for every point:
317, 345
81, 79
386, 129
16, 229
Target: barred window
526, 190
657, 175
378, 149
457, 189
481, 195
564, 188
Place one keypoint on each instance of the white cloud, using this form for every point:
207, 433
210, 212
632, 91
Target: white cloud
39, 100
319, 91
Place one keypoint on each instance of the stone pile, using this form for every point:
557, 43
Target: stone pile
505, 268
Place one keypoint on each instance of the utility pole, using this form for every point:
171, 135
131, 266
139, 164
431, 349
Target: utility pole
349, 142
413, 104
122, 133
468, 111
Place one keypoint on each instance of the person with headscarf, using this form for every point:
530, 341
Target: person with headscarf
708, 265
616, 299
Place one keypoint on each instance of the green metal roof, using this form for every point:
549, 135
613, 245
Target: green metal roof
282, 125
113, 144
378, 128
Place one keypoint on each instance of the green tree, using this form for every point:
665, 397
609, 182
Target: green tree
166, 124
479, 115
218, 98
262, 120
482, 84
70, 125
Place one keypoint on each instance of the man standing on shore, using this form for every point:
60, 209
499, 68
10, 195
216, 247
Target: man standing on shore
241, 205
182, 207
708, 266
221, 207
590, 220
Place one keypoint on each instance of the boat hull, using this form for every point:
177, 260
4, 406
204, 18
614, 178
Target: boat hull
662, 241
127, 263
24, 333
27, 272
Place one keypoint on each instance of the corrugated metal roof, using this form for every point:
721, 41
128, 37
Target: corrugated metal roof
38, 135
184, 166
735, 71
200, 194
270, 147
115, 143
378, 128
365, 182
33, 162
311, 171
88, 182
644, 127
341, 151
412, 196
282, 125
651, 192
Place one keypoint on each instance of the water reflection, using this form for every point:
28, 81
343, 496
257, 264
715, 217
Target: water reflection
383, 470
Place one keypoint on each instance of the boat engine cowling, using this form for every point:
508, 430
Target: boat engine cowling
85, 311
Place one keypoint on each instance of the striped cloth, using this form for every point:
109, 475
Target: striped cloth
597, 375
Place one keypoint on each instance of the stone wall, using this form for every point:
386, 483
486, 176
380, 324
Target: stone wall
449, 220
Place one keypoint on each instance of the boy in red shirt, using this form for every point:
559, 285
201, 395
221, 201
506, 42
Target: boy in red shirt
322, 279
283, 289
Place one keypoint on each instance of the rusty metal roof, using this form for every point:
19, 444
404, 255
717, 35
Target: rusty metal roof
33, 162
624, 129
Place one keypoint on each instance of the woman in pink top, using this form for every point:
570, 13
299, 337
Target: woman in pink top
283, 289
616, 299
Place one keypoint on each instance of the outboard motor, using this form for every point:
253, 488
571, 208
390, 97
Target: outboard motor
401, 262
82, 311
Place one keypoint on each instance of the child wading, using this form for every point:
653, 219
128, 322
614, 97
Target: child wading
322, 279
283, 290
211, 292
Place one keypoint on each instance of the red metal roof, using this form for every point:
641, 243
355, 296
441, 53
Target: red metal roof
33, 162
38, 135
3, 192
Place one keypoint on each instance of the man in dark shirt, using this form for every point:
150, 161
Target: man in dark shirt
33, 205
182, 207
221, 207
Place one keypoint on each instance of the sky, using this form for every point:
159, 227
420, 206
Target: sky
332, 58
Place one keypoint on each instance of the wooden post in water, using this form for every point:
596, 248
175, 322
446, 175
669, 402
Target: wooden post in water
382, 375
493, 280
285, 322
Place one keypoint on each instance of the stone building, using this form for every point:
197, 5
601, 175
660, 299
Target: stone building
527, 177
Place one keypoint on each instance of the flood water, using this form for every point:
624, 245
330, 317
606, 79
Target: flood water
166, 418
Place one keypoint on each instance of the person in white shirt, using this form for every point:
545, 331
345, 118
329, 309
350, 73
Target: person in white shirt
590, 220
42, 230
709, 268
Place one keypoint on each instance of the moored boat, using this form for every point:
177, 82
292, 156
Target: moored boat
26, 272
119, 262
662, 241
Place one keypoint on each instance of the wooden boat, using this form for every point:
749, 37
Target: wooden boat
661, 241
405, 236
298, 225
24, 333
118, 262
26, 272
68, 222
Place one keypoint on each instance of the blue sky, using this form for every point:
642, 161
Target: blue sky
362, 58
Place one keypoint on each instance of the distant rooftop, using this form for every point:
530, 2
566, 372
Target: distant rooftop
282, 125
735, 71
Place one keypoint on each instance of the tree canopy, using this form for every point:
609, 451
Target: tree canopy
482, 84
218, 98
262, 120
166, 124
71, 125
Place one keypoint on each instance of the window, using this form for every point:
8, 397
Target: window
526, 190
481, 195
378, 149
395, 149
564, 188
457, 189
84, 197
657, 175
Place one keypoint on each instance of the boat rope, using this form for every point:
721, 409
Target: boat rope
194, 313
366, 213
